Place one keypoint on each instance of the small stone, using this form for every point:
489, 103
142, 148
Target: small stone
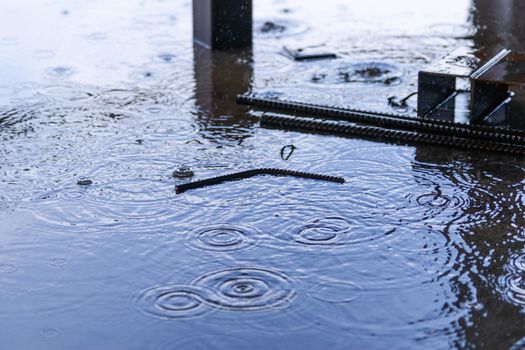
84, 181
183, 172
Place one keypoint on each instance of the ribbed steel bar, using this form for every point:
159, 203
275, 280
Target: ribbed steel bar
434, 126
255, 172
374, 132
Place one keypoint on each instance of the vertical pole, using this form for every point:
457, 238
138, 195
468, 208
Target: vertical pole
223, 24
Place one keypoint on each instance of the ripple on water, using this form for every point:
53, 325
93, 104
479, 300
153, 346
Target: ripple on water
124, 97
84, 246
66, 93
279, 28
449, 203
44, 54
336, 292
134, 205
325, 231
153, 110
363, 72
436, 254
8, 268
61, 71
212, 342
170, 130
97, 36
517, 262
513, 288
58, 262
172, 302
6, 205
166, 57
437, 202
411, 313
247, 289
512, 285
144, 75
223, 238
50, 332
332, 231
35, 287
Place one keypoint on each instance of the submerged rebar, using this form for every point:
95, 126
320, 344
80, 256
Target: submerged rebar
374, 132
255, 172
389, 120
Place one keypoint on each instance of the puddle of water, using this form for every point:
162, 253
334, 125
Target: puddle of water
422, 247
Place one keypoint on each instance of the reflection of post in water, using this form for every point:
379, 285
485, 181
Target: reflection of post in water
499, 24
220, 76
485, 243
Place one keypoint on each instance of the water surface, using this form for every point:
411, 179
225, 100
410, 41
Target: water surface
423, 247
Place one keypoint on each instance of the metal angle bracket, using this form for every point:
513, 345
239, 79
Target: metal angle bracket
496, 87
499, 87
438, 83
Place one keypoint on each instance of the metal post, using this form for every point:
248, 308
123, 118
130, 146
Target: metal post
223, 24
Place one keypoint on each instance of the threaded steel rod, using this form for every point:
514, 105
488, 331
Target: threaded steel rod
374, 132
479, 132
255, 172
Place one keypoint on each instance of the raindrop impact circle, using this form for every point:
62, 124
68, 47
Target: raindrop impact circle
224, 238
324, 231
171, 302
247, 289
336, 292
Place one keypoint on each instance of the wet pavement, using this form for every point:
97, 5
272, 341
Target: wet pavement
101, 102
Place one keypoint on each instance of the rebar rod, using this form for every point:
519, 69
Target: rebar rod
255, 172
374, 132
389, 120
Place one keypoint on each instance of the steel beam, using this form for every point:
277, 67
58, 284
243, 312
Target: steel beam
223, 24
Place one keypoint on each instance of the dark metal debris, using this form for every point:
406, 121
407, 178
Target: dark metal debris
82, 181
287, 152
255, 172
308, 54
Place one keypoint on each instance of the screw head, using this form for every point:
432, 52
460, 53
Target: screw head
183, 172
84, 181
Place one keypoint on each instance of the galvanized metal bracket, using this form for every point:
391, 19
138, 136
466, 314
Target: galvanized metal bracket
496, 87
499, 88
438, 84
223, 24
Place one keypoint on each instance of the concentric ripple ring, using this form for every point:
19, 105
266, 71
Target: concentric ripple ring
223, 238
247, 289
171, 302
